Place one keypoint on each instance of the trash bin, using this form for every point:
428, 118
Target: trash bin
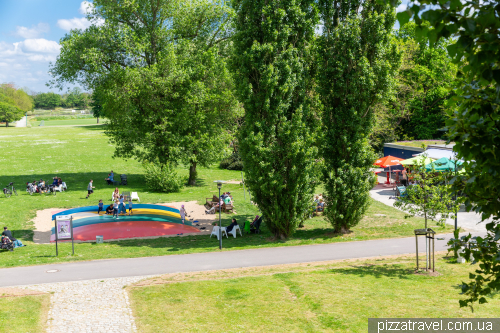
99, 239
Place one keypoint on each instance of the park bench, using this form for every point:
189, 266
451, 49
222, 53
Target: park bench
213, 201
227, 207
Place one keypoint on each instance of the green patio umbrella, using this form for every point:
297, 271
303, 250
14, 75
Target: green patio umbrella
443, 164
417, 160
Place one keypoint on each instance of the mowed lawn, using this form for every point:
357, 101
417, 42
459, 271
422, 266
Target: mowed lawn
78, 154
84, 121
24, 314
337, 297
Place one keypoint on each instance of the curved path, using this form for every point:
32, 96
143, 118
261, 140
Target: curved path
119, 268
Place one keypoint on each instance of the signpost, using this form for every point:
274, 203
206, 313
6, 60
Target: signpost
63, 227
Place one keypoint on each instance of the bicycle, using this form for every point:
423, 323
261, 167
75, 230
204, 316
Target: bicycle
8, 192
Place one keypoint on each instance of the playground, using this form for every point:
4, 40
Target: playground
147, 222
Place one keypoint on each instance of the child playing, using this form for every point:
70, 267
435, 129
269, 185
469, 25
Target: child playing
115, 209
101, 206
130, 206
89, 189
121, 207
182, 211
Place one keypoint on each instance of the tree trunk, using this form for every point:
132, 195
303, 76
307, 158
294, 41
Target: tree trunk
192, 174
6, 124
98, 120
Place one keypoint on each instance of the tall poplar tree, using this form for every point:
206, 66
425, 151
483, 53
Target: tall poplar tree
357, 57
272, 45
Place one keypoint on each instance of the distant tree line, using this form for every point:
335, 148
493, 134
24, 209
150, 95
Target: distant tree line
72, 99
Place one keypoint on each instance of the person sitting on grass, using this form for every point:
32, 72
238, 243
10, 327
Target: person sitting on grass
109, 210
212, 210
6, 241
321, 206
110, 178
232, 225
6, 233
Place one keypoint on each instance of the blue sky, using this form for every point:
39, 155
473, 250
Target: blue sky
30, 31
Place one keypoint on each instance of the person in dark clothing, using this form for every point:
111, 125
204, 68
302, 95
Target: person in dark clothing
232, 225
6, 232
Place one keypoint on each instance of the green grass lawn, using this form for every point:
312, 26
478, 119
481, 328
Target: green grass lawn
23, 314
78, 154
68, 122
419, 144
337, 297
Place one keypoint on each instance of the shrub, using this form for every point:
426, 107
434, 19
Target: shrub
233, 162
162, 179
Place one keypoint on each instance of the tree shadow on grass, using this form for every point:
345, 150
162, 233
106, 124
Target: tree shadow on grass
378, 271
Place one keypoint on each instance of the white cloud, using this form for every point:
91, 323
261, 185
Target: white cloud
401, 7
39, 45
74, 23
33, 32
86, 8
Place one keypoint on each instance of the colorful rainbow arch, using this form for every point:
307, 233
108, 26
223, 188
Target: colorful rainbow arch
146, 221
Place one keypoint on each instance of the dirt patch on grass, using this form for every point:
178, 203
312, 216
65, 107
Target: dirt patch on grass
18, 292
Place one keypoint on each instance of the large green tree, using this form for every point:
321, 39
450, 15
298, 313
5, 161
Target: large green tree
13, 103
272, 61
159, 68
358, 58
474, 123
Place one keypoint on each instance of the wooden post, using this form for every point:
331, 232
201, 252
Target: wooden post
71, 226
433, 254
416, 242
55, 233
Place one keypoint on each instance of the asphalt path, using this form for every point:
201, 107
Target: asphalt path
113, 268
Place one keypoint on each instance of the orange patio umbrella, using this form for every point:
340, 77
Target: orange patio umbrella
388, 161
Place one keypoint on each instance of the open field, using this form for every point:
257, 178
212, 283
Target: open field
24, 313
83, 121
78, 154
334, 297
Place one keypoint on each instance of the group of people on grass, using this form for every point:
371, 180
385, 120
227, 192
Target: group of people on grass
225, 199
42, 187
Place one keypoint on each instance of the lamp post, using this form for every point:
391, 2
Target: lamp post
219, 185
26, 114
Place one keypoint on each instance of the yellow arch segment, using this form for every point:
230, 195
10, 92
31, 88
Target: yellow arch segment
137, 211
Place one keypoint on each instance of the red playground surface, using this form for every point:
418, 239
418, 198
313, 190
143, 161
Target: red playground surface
130, 229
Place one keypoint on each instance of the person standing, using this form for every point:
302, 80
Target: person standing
404, 177
115, 209
90, 189
182, 211
129, 205
122, 208
101, 206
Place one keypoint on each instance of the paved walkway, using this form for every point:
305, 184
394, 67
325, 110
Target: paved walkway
89, 306
468, 220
